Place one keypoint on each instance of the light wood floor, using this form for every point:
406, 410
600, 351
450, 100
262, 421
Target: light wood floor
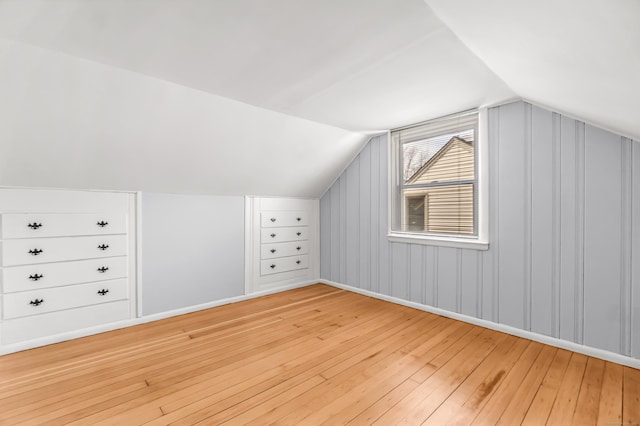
308, 356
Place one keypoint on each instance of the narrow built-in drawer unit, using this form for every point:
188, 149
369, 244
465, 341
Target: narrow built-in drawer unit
277, 235
30, 251
292, 248
30, 225
283, 264
270, 219
42, 275
15, 305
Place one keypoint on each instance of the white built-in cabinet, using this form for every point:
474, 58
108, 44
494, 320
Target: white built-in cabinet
281, 242
67, 263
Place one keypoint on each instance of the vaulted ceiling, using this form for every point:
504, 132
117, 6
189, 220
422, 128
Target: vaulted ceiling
275, 97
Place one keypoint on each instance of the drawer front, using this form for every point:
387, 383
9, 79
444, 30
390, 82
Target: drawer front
270, 219
34, 327
61, 224
278, 235
33, 277
34, 302
43, 250
293, 248
283, 264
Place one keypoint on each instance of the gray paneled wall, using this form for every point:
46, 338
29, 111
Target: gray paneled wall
192, 250
564, 249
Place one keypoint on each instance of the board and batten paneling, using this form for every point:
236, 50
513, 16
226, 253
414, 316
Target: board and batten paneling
564, 250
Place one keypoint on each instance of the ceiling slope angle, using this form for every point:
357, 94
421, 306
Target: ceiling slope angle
578, 57
362, 65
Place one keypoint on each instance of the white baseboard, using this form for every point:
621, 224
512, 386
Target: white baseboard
75, 334
552, 341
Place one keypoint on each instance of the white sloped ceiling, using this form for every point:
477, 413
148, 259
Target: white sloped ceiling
581, 57
264, 97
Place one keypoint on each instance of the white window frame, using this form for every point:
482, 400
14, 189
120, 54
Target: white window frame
480, 241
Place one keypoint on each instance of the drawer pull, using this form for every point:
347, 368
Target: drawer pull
298, 262
273, 266
36, 302
102, 224
272, 250
298, 233
34, 225
36, 277
298, 248
103, 292
273, 235
103, 246
298, 219
35, 252
103, 269
273, 219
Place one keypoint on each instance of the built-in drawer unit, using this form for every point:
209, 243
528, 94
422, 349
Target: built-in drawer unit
67, 263
283, 264
29, 251
281, 246
34, 302
26, 225
42, 275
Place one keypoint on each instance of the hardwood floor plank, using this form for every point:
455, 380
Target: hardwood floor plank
565, 403
610, 407
586, 411
631, 396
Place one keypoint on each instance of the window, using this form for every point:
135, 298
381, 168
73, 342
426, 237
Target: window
437, 193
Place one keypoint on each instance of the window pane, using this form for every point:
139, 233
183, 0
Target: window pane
444, 210
442, 158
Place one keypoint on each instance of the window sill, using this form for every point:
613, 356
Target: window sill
473, 244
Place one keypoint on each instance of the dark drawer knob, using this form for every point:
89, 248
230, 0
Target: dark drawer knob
34, 225
298, 219
272, 250
103, 246
35, 252
298, 262
298, 233
273, 235
273, 219
273, 266
36, 302
103, 292
36, 277
102, 224
298, 248
103, 269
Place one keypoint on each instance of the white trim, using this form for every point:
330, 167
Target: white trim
138, 265
248, 244
547, 340
428, 240
75, 334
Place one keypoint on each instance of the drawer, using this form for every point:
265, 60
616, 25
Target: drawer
277, 235
36, 302
43, 250
283, 264
270, 219
43, 275
17, 225
292, 248
45, 325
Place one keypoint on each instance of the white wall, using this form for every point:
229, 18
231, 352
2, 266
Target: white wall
564, 255
71, 123
192, 250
